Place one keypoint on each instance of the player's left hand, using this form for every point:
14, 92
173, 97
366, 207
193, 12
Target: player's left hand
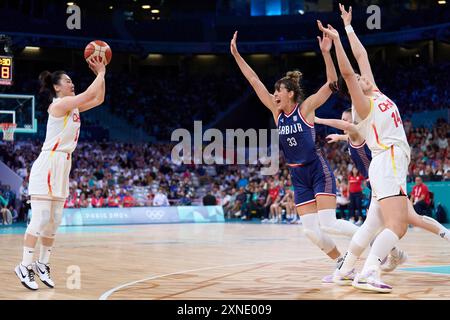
325, 43
96, 65
233, 46
331, 138
331, 32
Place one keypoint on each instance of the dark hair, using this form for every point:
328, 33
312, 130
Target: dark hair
342, 88
349, 110
48, 80
292, 83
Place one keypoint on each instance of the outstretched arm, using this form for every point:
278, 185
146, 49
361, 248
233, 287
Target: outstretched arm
331, 138
338, 124
90, 98
359, 100
314, 101
261, 91
359, 52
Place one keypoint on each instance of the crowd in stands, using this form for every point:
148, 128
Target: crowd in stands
153, 100
110, 174
414, 89
172, 101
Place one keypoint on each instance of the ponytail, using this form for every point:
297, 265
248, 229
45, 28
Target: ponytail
47, 80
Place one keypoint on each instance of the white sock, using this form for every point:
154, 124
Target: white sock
27, 258
339, 260
44, 255
349, 262
382, 245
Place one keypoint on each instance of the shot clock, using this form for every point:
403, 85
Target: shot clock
6, 70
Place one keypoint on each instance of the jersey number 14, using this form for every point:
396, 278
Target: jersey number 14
396, 117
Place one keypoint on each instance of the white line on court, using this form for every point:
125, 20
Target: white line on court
105, 295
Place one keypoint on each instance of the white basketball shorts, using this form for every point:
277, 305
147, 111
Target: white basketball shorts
49, 174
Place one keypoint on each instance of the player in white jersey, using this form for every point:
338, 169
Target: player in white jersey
49, 176
368, 231
381, 127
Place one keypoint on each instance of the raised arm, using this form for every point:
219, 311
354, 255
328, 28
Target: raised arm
359, 100
314, 101
93, 95
261, 91
100, 94
359, 52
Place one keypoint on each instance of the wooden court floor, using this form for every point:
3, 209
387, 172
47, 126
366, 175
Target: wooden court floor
213, 261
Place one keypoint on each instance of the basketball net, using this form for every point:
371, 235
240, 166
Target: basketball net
8, 131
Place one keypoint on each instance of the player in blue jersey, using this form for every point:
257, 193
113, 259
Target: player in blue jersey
361, 156
313, 180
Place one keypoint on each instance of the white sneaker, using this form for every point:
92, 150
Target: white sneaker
393, 262
344, 279
26, 276
43, 272
370, 281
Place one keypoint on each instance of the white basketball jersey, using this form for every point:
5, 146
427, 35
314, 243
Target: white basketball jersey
383, 127
62, 133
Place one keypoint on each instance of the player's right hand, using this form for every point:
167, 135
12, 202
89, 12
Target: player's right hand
233, 46
331, 138
96, 65
346, 16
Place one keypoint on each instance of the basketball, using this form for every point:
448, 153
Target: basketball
98, 48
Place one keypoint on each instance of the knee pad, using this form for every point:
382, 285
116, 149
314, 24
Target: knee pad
55, 220
40, 217
330, 224
311, 228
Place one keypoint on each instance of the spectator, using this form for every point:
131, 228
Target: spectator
288, 204
25, 205
97, 201
184, 200
342, 199
83, 201
355, 180
420, 197
113, 199
129, 201
209, 200
160, 199
72, 199
6, 215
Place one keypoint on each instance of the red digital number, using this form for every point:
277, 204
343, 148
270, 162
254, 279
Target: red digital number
5, 73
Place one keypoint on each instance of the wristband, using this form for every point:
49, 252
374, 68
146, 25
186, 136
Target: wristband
349, 29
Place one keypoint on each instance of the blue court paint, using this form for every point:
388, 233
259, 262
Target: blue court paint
65, 230
431, 269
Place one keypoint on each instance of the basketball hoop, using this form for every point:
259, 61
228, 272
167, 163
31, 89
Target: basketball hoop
8, 131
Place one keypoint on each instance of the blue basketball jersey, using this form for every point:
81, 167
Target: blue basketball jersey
297, 138
361, 156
